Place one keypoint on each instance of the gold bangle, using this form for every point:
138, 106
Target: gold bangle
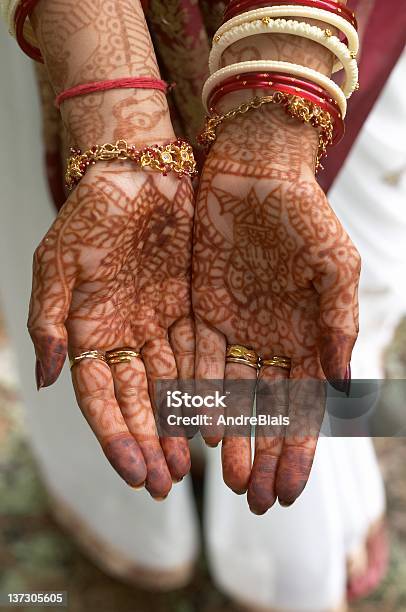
294, 106
173, 157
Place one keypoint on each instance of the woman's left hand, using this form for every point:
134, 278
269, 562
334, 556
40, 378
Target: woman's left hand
274, 270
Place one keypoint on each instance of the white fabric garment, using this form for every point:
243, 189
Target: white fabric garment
291, 559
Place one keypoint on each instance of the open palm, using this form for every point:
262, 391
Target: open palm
113, 272
275, 271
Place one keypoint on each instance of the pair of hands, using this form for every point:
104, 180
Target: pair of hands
273, 269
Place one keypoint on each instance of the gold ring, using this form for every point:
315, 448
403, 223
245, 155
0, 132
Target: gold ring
123, 355
236, 353
88, 355
277, 362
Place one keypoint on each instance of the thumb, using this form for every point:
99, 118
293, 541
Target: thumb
49, 308
338, 289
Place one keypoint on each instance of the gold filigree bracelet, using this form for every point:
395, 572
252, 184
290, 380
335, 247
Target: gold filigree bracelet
173, 157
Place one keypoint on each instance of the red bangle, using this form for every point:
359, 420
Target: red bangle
23, 11
285, 84
124, 83
250, 80
236, 7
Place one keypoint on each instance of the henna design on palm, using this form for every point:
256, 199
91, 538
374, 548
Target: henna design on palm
273, 270
113, 271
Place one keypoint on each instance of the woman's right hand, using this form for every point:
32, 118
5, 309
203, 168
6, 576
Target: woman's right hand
113, 271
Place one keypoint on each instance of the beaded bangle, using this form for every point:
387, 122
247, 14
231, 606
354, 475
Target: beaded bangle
303, 12
173, 157
296, 28
285, 84
294, 106
236, 7
280, 67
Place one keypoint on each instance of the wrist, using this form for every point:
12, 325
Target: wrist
140, 117
268, 134
267, 138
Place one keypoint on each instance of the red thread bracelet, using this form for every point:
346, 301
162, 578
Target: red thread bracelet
285, 84
236, 7
124, 83
23, 11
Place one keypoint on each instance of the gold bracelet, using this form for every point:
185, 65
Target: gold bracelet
294, 106
173, 157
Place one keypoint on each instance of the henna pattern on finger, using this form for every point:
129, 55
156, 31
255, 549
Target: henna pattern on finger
132, 395
94, 392
261, 495
182, 340
160, 365
293, 473
125, 456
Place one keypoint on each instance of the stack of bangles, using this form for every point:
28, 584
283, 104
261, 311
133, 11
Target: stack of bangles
302, 92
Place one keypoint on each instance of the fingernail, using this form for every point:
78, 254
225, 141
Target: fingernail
212, 445
258, 512
39, 375
125, 456
239, 491
138, 487
348, 380
285, 504
343, 385
160, 499
176, 480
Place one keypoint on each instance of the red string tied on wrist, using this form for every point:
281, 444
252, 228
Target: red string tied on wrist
124, 83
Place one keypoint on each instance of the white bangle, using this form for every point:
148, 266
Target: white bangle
297, 11
296, 28
274, 66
